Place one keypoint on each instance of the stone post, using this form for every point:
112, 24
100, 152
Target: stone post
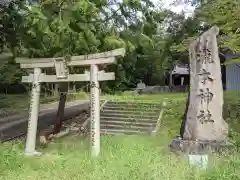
33, 116
95, 111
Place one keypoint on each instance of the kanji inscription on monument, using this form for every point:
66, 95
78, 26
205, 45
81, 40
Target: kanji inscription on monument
205, 76
204, 119
206, 96
205, 116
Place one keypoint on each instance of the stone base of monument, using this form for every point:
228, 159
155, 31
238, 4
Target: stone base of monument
180, 146
197, 152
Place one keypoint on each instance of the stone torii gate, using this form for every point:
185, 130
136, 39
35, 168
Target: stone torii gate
61, 66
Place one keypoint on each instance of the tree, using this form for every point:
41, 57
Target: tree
60, 28
173, 47
10, 73
224, 14
11, 25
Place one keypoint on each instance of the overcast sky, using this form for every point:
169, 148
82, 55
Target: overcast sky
177, 9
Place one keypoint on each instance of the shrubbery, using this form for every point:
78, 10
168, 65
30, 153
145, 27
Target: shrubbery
231, 109
231, 113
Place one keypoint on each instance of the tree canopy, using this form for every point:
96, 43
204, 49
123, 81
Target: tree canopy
155, 38
222, 13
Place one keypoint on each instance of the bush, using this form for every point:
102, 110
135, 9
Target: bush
231, 109
231, 113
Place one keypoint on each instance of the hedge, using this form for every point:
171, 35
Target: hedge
231, 113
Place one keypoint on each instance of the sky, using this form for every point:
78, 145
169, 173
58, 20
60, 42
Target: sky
178, 9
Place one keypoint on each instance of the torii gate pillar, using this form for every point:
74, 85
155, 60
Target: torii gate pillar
33, 115
95, 110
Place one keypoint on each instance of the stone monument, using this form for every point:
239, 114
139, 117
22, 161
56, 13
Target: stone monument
203, 128
140, 86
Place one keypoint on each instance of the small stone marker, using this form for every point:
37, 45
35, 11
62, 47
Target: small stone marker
141, 85
203, 129
198, 160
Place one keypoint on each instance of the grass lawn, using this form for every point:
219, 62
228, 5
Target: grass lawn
122, 157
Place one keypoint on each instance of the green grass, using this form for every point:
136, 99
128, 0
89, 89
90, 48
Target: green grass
150, 98
122, 157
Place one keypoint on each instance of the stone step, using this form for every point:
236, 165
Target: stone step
120, 132
112, 111
145, 120
135, 116
130, 109
114, 122
132, 106
129, 117
127, 127
130, 103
